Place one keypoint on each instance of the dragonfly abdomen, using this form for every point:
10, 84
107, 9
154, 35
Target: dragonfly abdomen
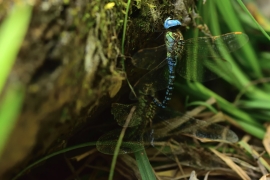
171, 66
174, 45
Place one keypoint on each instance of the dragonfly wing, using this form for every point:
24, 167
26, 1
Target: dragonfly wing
205, 131
214, 46
178, 123
175, 122
149, 58
121, 113
131, 142
202, 56
202, 69
191, 156
155, 80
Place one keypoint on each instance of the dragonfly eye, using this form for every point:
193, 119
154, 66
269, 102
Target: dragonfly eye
169, 22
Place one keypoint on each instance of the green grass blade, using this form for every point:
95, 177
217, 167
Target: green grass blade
12, 32
52, 155
194, 88
203, 103
255, 104
232, 21
144, 165
254, 20
246, 55
9, 110
123, 44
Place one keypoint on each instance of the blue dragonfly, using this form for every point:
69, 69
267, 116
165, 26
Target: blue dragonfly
196, 59
151, 120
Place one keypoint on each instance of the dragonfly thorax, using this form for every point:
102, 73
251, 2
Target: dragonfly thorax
174, 43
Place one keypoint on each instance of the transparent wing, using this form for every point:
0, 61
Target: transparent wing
155, 80
149, 58
216, 45
203, 69
166, 138
167, 123
198, 55
191, 156
174, 122
133, 139
122, 111
202, 57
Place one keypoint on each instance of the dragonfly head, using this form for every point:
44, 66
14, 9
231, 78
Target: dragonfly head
169, 22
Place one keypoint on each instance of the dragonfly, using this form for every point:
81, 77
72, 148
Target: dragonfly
151, 124
197, 59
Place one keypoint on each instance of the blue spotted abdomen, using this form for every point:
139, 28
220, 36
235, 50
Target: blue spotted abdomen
174, 44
